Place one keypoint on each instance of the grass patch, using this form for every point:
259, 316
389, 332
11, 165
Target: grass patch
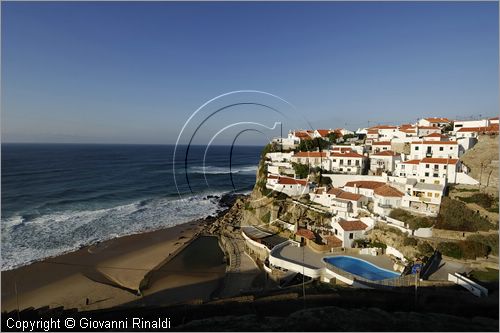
491, 241
463, 249
413, 221
485, 276
455, 215
482, 199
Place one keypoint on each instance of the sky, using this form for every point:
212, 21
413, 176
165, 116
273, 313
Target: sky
123, 72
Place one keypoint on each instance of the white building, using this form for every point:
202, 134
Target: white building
385, 199
384, 161
348, 231
289, 186
407, 168
437, 137
422, 197
437, 149
381, 146
427, 130
347, 162
339, 202
434, 122
363, 187
458, 124
312, 158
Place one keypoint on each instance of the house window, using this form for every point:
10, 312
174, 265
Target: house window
334, 160
427, 166
336, 231
441, 148
451, 148
351, 235
416, 148
348, 162
445, 167
426, 174
429, 194
402, 167
357, 162
436, 195
436, 182
435, 175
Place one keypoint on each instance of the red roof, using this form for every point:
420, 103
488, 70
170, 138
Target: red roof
333, 241
436, 135
429, 127
491, 128
302, 135
308, 234
349, 196
341, 149
382, 143
439, 160
387, 191
347, 154
323, 132
352, 225
291, 181
310, 154
435, 143
368, 184
437, 120
272, 177
383, 127
372, 131
412, 162
386, 153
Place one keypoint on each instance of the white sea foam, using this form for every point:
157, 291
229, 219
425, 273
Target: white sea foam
213, 170
53, 234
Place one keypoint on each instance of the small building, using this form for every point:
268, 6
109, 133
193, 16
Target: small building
289, 186
363, 187
384, 161
347, 162
437, 149
379, 146
314, 159
434, 122
348, 231
385, 199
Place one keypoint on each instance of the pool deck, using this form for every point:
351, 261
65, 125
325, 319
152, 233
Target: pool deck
308, 258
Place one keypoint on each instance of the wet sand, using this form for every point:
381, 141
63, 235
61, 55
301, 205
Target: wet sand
110, 273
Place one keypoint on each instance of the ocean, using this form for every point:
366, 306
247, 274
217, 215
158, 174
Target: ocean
59, 197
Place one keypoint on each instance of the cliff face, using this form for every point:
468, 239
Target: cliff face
263, 205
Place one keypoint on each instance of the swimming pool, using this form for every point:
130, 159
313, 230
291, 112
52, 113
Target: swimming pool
361, 268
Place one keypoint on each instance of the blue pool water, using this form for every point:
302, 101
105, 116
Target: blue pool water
361, 268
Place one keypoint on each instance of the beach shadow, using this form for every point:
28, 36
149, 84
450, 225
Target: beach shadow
98, 277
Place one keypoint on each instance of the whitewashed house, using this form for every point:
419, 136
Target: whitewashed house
312, 158
385, 199
347, 162
381, 146
434, 122
459, 124
407, 168
437, 149
289, 186
340, 202
384, 161
363, 187
348, 230
422, 198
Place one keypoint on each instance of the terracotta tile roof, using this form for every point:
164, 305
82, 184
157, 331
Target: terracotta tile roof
272, 176
291, 181
381, 143
406, 126
368, 184
386, 153
302, 135
347, 154
434, 143
491, 128
323, 132
387, 191
494, 118
408, 130
429, 127
372, 131
349, 196
437, 120
310, 154
383, 127
319, 191
308, 234
439, 160
411, 162
341, 149
333, 241
436, 135
335, 191
352, 225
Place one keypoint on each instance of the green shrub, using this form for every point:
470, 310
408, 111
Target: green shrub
425, 248
378, 244
413, 221
450, 249
266, 217
491, 241
482, 199
409, 241
455, 215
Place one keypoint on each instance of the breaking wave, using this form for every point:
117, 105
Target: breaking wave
26, 239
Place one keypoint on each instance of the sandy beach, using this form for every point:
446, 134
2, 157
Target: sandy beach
110, 273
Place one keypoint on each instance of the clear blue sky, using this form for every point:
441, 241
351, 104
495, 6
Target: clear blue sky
134, 72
